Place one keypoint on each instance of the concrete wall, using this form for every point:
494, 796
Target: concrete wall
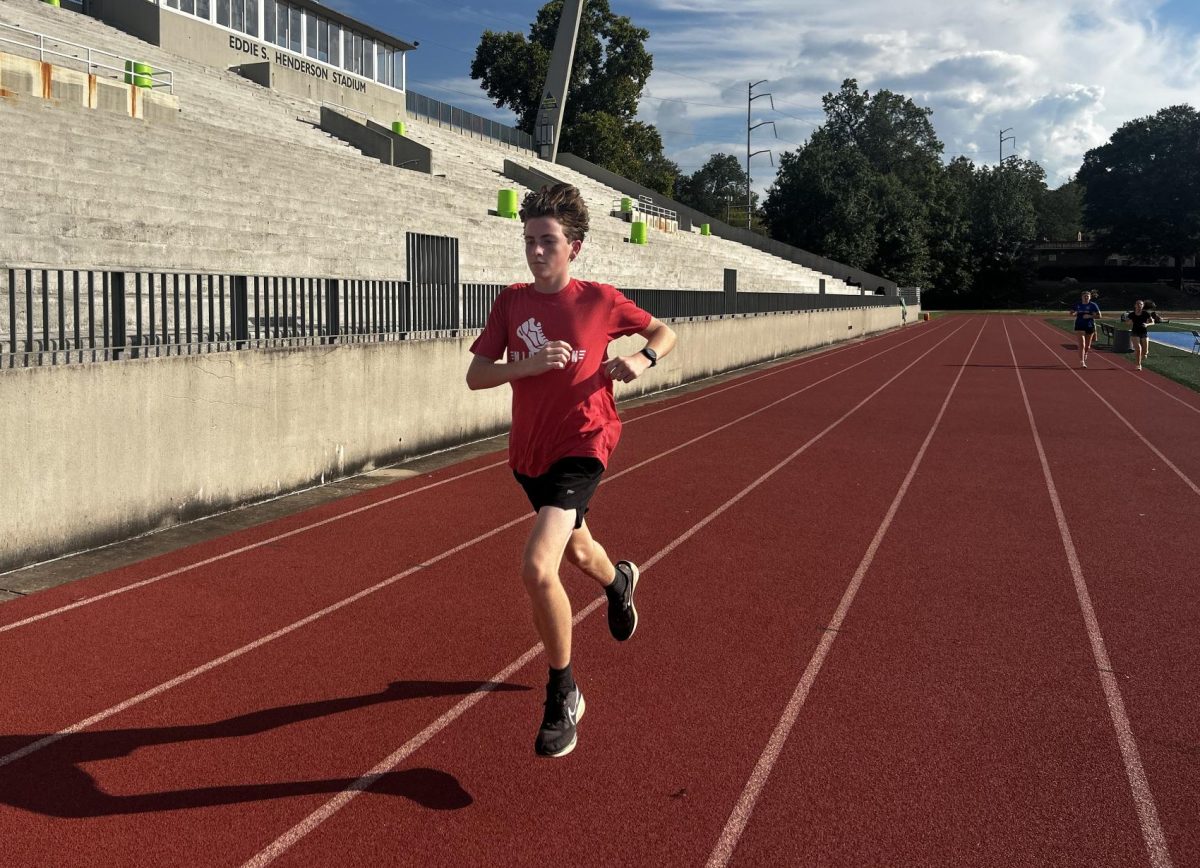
212, 45
136, 17
110, 450
23, 76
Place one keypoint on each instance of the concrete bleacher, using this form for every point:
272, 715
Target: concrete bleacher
244, 181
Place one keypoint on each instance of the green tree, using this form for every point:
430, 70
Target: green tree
821, 201
953, 264
1003, 222
716, 186
1142, 188
609, 72
1060, 212
632, 149
1003, 211
860, 190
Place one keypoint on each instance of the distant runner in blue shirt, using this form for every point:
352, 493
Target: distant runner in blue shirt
1086, 314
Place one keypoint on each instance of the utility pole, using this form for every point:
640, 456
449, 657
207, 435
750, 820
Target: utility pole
751, 96
1004, 139
558, 80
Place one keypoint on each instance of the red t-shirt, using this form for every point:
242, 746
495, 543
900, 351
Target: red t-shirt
568, 412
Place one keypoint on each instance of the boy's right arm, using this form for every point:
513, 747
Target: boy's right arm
485, 373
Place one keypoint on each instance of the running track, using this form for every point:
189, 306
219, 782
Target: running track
891, 614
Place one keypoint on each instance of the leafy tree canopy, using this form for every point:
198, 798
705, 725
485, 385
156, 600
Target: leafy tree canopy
859, 191
1142, 188
718, 188
610, 69
1060, 213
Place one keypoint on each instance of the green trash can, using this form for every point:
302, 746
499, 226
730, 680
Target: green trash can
398, 127
139, 74
53, 3
626, 205
637, 232
705, 229
1120, 342
506, 204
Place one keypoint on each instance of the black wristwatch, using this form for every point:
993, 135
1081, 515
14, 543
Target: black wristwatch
650, 354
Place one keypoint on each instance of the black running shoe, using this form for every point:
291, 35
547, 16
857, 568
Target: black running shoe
563, 711
622, 616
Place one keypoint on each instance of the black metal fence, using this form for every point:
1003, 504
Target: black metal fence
66, 316
465, 121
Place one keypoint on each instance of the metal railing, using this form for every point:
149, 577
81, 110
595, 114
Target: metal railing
54, 317
72, 316
645, 205
96, 61
464, 121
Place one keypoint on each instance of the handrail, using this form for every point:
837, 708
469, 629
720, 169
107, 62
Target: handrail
345, 109
159, 78
646, 205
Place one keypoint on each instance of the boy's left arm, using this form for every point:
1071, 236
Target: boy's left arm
660, 338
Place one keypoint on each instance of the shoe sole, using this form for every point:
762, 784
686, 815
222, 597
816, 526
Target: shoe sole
566, 750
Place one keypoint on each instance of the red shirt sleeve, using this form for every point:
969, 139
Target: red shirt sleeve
494, 340
625, 318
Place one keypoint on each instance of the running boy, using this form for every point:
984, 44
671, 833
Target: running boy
555, 332
1086, 313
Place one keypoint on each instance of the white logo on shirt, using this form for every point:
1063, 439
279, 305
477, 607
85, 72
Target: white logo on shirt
530, 332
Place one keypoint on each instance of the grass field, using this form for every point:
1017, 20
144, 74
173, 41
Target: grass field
1180, 366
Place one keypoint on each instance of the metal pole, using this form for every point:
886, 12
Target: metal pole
749, 100
548, 128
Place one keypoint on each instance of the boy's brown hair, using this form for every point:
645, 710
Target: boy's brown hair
562, 202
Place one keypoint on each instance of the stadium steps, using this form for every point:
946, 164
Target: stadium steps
234, 139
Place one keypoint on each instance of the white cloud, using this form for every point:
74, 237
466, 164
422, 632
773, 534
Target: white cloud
1064, 75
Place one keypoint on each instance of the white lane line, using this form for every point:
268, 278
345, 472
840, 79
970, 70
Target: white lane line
754, 378
283, 631
41, 616
1167, 461
289, 838
1152, 833
736, 824
1139, 377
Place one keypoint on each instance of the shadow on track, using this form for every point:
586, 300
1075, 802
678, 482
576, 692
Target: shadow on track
52, 781
1050, 367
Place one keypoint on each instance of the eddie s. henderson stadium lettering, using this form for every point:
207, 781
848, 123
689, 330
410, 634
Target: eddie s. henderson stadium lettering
299, 64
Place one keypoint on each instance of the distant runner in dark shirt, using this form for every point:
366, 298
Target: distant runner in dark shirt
1139, 318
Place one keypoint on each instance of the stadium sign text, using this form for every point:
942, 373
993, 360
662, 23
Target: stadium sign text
299, 64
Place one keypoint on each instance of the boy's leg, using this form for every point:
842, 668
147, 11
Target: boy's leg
585, 552
619, 580
539, 571
552, 616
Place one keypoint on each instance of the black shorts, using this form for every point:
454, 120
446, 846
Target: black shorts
568, 484
1090, 328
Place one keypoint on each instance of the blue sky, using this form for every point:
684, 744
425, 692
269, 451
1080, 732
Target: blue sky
1063, 74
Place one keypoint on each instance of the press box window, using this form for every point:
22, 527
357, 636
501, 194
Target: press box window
312, 26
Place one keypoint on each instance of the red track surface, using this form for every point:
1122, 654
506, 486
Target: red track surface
863, 641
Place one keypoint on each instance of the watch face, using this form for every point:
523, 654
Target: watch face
651, 355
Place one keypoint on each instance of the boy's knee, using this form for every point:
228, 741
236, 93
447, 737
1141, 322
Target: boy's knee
538, 575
